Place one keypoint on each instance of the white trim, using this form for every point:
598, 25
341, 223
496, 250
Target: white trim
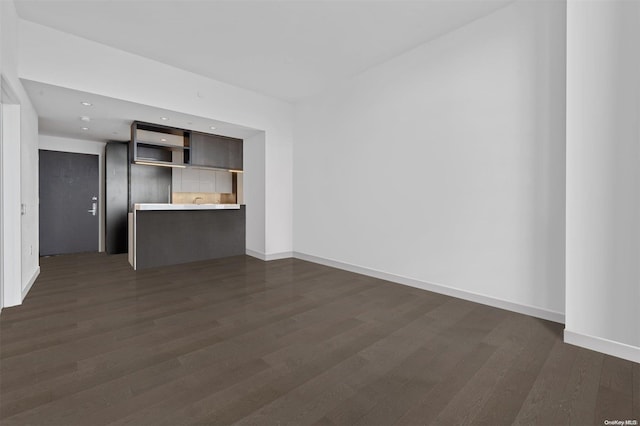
270, 256
278, 256
35, 275
438, 288
609, 347
256, 254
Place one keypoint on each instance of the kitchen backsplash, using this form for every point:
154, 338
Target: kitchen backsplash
202, 198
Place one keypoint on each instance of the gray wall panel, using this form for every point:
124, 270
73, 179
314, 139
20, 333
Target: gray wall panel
116, 194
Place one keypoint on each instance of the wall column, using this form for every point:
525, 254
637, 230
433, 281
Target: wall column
11, 221
603, 177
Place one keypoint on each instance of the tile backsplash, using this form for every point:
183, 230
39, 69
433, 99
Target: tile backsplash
202, 198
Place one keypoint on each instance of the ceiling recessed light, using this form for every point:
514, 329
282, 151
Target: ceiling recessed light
212, 127
163, 140
84, 128
85, 103
85, 118
163, 118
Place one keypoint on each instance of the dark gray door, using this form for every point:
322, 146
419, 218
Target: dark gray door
68, 203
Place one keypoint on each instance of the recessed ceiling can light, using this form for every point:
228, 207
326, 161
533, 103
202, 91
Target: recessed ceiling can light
163, 118
85, 118
85, 103
163, 140
84, 128
212, 127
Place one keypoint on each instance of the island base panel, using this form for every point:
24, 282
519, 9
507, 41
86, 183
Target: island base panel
177, 236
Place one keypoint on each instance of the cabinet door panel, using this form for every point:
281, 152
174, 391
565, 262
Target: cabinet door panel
235, 155
216, 151
150, 184
224, 182
190, 180
207, 180
209, 151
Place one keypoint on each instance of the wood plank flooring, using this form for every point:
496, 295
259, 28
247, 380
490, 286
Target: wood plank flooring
241, 341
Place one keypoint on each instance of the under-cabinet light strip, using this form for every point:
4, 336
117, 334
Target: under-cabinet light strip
146, 163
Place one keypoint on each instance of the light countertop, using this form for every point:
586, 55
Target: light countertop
164, 206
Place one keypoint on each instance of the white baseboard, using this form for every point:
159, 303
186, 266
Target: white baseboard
270, 256
256, 254
281, 255
30, 283
598, 344
438, 288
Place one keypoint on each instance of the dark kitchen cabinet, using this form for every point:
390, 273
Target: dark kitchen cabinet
116, 195
149, 184
154, 144
216, 151
235, 154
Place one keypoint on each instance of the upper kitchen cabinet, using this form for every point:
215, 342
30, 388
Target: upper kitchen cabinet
215, 151
153, 144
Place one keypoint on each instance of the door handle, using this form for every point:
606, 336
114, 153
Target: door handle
94, 208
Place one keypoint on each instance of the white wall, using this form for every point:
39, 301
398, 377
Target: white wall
27, 182
2, 180
603, 176
61, 59
29, 193
11, 238
254, 193
446, 165
54, 143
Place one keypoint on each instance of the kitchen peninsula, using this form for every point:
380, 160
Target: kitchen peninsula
168, 234
185, 196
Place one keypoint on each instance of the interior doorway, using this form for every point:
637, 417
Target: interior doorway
69, 202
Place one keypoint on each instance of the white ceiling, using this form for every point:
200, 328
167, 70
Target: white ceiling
286, 49
59, 111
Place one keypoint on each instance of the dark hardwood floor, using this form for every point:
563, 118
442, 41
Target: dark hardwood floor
238, 340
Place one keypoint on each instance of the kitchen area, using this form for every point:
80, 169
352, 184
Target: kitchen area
174, 196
